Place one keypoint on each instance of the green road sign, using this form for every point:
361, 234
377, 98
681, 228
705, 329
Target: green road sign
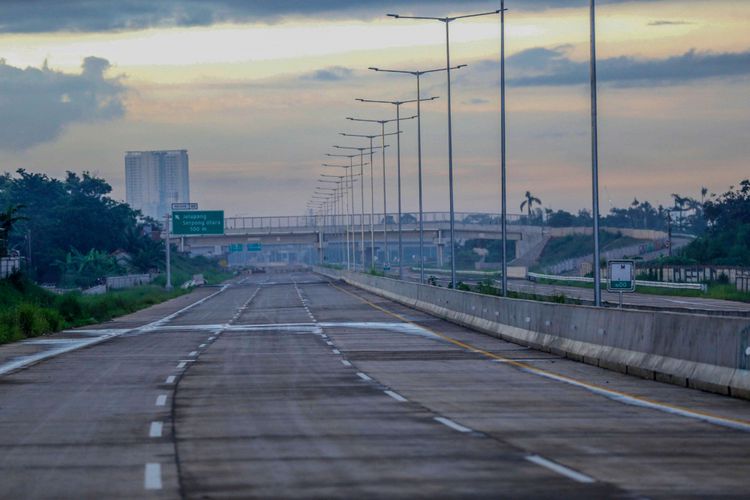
621, 276
254, 247
235, 247
198, 222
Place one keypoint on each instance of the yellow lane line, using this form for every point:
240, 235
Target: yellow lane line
620, 396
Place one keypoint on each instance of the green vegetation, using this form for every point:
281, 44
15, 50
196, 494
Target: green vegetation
27, 310
184, 267
487, 288
727, 239
62, 220
579, 245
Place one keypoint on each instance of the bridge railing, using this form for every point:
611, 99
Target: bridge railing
314, 222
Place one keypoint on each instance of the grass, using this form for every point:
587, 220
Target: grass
27, 310
578, 245
183, 269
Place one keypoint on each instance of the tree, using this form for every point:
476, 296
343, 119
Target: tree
8, 220
529, 201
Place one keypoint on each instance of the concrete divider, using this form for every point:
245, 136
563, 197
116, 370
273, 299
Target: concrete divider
704, 352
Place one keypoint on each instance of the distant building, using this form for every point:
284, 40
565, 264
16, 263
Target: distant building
156, 179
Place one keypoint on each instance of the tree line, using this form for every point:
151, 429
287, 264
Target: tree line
68, 229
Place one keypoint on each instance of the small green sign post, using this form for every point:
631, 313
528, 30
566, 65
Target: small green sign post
198, 222
254, 247
621, 277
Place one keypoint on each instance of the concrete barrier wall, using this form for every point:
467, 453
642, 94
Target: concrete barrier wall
705, 352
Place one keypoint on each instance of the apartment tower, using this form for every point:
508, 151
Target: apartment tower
156, 179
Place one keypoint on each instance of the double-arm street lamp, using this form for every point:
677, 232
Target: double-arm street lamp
398, 105
350, 170
372, 188
386, 258
418, 75
362, 163
447, 21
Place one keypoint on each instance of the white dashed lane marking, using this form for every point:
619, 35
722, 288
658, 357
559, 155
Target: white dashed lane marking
560, 469
396, 396
364, 377
453, 425
155, 429
152, 477
161, 400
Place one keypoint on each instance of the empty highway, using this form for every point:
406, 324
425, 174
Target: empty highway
293, 386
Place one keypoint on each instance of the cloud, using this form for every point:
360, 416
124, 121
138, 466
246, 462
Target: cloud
35, 16
38, 103
332, 74
662, 22
552, 67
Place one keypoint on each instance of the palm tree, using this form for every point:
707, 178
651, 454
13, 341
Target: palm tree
704, 192
679, 205
8, 220
529, 201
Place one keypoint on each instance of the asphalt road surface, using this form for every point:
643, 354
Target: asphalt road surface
289, 386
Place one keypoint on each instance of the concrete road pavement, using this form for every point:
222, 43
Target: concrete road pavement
288, 386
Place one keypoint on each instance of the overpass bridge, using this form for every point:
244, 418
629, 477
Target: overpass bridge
315, 238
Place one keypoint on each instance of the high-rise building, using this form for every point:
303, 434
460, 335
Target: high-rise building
156, 179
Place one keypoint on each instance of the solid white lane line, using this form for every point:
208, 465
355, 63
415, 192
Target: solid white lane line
336, 351
364, 377
345, 362
453, 425
560, 469
152, 477
193, 354
170, 379
155, 429
161, 400
396, 396
634, 401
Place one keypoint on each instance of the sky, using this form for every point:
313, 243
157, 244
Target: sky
258, 92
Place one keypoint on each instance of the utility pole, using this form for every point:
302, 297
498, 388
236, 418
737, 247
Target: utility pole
168, 285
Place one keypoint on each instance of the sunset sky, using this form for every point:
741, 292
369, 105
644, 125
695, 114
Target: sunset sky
258, 91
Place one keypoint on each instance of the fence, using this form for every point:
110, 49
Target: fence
656, 284
120, 282
232, 224
9, 265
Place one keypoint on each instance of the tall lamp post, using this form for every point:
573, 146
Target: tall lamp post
447, 21
386, 258
343, 188
418, 75
503, 157
595, 161
398, 105
361, 196
372, 187
350, 171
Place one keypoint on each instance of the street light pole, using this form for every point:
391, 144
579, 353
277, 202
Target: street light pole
447, 21
386, 257
595, 161
503, 154
362, 195
372, 183
398, 105
350, 171
418, 75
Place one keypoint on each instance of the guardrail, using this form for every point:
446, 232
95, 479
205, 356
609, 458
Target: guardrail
656, 284
338, 220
